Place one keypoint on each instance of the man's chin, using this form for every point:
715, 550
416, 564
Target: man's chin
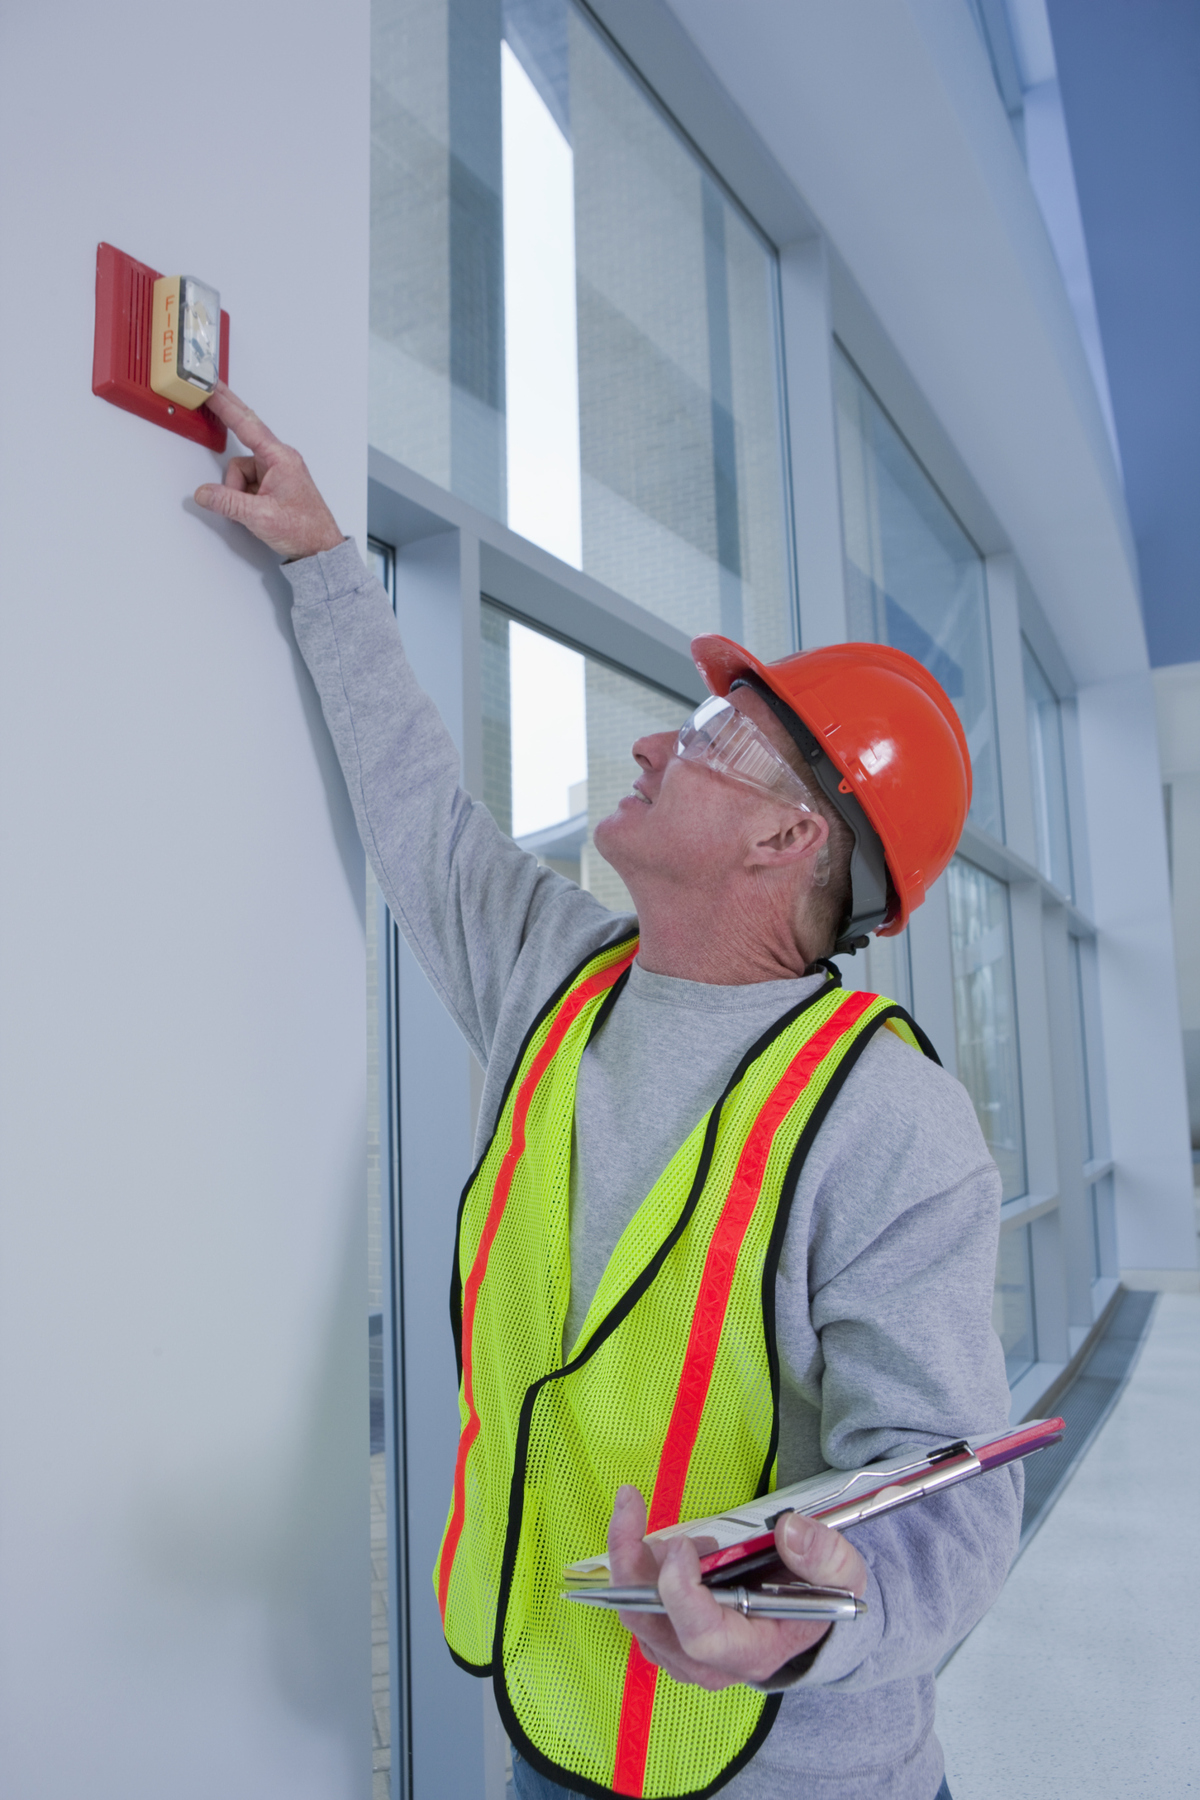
607, 837
602, 835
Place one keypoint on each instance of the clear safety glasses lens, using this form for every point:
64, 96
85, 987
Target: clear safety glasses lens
724, 738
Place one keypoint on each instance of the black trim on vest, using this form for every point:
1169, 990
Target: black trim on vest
829, 966
604, 1330
581, 1784
480, 1669
610, 1000
787, 1194
926, 1043
556, 999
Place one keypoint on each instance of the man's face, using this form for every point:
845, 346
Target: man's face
685, 822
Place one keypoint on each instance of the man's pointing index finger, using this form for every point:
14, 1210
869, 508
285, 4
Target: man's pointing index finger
241, 420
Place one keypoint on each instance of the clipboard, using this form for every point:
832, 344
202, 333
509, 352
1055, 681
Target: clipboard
745, 1536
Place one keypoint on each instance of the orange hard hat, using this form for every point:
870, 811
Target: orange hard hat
888, 749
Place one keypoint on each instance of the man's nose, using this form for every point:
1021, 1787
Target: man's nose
652, 752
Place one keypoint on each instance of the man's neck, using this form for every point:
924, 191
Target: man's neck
718, 943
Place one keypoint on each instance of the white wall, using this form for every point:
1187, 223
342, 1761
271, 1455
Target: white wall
1131, 905
183, 1506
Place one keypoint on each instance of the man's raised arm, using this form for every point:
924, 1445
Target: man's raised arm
462, 892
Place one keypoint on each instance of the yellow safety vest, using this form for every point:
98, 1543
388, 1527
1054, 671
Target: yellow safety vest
672, 1384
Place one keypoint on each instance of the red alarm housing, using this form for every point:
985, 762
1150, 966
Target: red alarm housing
121, 359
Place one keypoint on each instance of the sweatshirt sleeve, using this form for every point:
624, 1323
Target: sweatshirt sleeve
901, 1262
464, 895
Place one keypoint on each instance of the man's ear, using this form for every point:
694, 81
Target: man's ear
798, 835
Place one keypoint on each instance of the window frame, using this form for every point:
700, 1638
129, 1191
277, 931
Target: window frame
1068, 1299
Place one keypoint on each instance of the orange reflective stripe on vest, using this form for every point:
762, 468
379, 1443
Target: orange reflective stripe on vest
641, 1676
572, 1006
672, 1385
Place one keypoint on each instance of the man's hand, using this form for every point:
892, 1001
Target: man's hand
713, 1646
270, 492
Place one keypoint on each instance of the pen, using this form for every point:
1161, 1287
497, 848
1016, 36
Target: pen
774, 1600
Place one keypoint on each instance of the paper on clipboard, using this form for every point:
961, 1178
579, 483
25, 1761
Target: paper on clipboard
841, 1497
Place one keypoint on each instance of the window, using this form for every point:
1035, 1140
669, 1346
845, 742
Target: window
1012, 1303
1100, 1219
558, 728
886, 966
1048, 772
985, 1015
572, 326
914, 579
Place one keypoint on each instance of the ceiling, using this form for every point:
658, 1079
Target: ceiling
1129, 75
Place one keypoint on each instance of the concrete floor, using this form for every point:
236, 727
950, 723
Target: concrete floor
1083, 1682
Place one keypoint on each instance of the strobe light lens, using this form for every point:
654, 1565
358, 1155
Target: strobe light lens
185, 340
199, 333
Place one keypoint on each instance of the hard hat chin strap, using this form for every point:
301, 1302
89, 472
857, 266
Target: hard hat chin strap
870, 889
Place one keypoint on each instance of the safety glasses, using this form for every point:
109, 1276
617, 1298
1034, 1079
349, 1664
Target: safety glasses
724, 738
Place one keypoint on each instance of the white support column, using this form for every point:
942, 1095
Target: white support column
812, 442
1147, 1102
437, 604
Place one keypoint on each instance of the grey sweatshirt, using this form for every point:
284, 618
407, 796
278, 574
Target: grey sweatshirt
884, 1290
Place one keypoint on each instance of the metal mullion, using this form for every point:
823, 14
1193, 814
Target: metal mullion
400, 1647
582, 648
395, 1432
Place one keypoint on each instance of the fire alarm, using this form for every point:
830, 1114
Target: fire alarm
185, 339
123, 357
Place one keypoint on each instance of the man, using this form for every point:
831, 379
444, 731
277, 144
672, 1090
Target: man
724, 1230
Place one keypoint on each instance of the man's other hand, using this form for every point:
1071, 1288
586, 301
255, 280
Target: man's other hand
270, 491
713, 1646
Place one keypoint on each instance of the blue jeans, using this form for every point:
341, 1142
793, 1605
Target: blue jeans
530, 1785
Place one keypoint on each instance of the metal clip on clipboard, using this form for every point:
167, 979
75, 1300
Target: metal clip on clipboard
839, 1497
